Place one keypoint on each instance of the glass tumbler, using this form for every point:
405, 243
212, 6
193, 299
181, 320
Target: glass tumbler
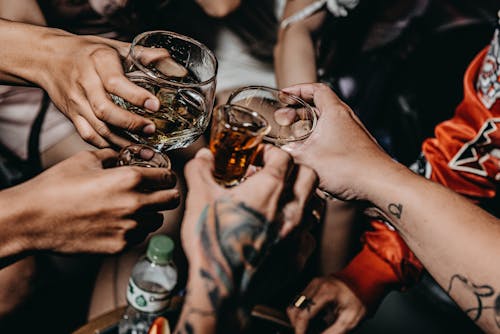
181, 73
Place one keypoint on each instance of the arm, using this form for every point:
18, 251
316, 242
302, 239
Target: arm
295, 53
226, 233
78, 72
26, 11
78, 206
454, 239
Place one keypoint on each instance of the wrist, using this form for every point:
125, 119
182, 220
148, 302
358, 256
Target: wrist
14, 239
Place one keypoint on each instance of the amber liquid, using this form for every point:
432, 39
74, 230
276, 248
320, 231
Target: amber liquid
233, 152
179, 122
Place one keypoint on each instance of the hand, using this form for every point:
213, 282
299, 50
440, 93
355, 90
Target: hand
341, 307
79, 207
226, 233
79, 75
340, 149
263, 192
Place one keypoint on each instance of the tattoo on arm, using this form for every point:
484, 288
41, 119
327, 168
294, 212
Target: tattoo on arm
396, 209
480, 294
234, 239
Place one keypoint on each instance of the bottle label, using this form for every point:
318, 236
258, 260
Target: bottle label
146, 301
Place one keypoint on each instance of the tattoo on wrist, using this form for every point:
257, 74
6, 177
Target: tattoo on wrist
480, 294
396, 209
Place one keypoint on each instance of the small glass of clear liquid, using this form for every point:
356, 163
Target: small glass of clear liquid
181, 73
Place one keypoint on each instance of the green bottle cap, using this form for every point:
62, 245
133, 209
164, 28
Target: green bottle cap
160, 249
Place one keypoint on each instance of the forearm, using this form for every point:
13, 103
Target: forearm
30, 50
14, 242
456, 241
202, 307
295, 57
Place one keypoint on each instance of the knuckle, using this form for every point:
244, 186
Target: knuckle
88, 136
132, 176
112, 83
103, 130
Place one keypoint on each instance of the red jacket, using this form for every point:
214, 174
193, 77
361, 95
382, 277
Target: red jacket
464, 156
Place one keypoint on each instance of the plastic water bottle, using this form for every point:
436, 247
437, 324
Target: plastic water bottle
151, 283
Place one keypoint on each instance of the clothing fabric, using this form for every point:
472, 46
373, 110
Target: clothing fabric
244, 45
464, 156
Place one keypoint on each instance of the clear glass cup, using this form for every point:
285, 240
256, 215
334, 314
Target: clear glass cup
236, 134
142, 156
181, 72
291, 119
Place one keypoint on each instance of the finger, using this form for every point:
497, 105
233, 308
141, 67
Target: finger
199, 171
310, 290
344, 322
107, 111
161, 200
156, 178
318, 303
322, 95
277, 163
93, 130
107, 157
110, 71
293, 212
87, 132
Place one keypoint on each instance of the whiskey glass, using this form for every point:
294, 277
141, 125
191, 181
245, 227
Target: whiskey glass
181, 73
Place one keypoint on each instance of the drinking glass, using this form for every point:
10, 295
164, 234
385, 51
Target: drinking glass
236, 134
142, 156
291, 119
181, 73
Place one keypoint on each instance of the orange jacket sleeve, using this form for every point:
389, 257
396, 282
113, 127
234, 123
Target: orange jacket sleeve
384, 263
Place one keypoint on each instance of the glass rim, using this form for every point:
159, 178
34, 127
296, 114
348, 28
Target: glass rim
181, 37
273, 139
262, 131
164, 157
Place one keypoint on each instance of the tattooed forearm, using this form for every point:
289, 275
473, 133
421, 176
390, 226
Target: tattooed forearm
482, 297
396, 210
234, 239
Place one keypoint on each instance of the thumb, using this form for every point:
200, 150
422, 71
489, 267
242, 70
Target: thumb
200, 169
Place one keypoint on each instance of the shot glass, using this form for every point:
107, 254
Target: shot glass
181, 72
236, 134
290, 118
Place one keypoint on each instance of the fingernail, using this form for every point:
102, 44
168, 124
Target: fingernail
149, 129
152, 104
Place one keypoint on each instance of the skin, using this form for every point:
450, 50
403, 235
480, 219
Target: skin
78, 207
227, 232
423, 212
219, 8
294, 53
78, 72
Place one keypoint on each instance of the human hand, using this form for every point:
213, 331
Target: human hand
80, 73
78, 206
340, 149
226, 233
245, 213
342, 309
